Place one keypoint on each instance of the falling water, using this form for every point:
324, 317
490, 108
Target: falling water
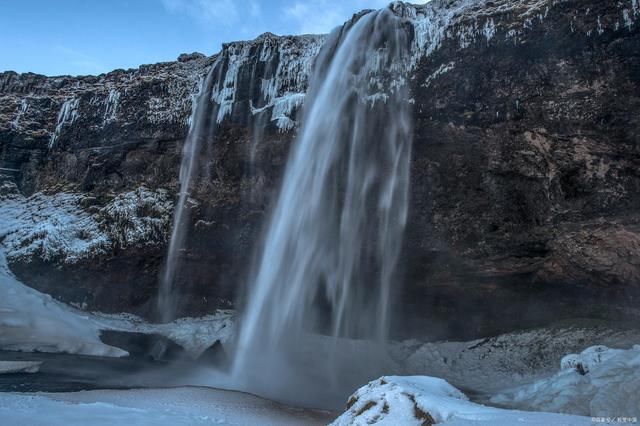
324, 279
203, 125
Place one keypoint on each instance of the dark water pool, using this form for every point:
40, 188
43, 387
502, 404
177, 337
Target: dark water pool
69, 373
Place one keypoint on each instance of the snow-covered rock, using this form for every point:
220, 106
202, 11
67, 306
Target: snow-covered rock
599, 381
137, 218
195, 335
53, 228
423, 400
58, 228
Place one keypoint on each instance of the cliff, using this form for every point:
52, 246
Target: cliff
524, 179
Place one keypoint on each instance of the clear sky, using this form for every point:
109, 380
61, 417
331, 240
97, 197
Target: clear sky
56, 37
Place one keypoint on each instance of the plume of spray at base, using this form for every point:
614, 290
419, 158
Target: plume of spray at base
317, 310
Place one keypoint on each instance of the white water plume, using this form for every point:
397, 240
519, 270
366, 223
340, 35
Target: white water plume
318, 306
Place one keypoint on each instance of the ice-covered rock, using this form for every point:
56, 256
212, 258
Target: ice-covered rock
599, 381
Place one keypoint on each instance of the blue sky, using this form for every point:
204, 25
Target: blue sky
94, 36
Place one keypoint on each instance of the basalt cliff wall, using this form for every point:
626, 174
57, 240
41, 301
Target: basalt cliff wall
525, 176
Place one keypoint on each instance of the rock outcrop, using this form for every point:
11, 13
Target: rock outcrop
525, 182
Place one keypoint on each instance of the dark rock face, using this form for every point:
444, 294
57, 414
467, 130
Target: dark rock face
525, 173
526, 155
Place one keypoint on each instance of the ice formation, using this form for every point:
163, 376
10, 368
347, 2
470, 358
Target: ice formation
67, 116
599, 382
111, 106
286, 65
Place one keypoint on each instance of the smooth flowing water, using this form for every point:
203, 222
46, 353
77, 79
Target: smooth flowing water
318, 306
203, 125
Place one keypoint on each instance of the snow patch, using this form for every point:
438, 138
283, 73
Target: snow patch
491, 365
33, 321
56, 228
138, 218
51, 227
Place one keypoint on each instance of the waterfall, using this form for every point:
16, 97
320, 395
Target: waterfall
203, 125
317, 310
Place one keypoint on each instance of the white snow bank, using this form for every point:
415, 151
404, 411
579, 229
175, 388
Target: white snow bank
32, 321
418, 400
158, 407
19, 366
600, 382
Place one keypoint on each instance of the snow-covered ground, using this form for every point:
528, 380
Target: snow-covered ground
157, 407
419, 400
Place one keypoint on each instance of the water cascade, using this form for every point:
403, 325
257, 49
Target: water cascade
317, 310
203, 125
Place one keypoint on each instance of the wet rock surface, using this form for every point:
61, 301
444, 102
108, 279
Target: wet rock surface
525, 181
